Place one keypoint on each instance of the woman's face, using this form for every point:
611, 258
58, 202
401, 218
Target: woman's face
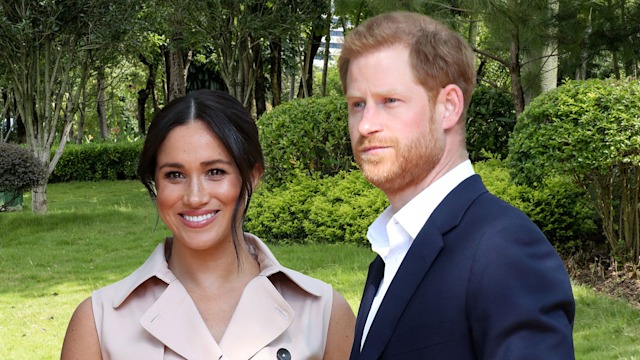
198, 184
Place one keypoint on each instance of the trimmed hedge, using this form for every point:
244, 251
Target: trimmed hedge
559, 207
97, 161
20, 170
340, 208
309, 135
310, 209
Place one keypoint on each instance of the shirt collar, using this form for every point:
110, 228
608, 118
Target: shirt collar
417, 211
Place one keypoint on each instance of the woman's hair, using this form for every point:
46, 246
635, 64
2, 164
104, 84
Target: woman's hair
438, 55
232, 125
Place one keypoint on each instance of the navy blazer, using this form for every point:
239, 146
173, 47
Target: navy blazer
480, 281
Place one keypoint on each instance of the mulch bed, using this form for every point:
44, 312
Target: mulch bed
605, 275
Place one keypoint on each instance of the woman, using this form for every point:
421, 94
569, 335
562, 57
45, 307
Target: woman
210, 291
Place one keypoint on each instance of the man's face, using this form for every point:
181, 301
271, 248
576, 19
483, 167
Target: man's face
395, 134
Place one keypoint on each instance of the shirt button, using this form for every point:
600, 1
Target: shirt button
283, 354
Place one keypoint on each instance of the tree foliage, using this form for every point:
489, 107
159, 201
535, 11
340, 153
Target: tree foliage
46, 56
589, 130
490, 121
19, 171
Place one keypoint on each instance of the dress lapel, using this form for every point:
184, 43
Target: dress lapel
261, 316
175, 321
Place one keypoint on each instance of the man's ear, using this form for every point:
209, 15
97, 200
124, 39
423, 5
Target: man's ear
452, 100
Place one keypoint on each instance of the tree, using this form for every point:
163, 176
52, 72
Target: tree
599, 38
46, 57
589, 131
518, 34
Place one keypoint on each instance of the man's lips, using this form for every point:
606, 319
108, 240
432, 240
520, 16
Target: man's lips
372, 149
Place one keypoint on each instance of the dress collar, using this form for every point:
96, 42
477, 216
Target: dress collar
157, 266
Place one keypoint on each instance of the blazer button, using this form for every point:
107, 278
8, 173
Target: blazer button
283, 354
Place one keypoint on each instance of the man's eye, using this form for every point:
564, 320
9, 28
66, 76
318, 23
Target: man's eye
392, 100
358, 104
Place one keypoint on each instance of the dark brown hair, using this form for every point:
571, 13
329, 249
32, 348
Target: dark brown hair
228, 120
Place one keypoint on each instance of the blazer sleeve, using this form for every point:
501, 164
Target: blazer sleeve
520, 302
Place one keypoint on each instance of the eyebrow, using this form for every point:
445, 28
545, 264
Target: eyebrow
204, 164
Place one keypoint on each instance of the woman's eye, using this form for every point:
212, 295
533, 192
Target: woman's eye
216, 172
173, 175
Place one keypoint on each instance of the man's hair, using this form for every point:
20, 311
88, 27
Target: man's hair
439, 56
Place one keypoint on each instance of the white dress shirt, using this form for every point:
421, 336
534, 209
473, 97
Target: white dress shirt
391, 235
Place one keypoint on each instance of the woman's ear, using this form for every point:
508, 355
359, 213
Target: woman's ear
453, 105
256, 174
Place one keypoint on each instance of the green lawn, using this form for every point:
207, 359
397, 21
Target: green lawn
97, 233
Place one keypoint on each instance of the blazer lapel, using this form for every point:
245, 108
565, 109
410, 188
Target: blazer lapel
420, 257
415, 265
374, 276
175, 321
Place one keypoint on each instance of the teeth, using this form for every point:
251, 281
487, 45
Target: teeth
198, 218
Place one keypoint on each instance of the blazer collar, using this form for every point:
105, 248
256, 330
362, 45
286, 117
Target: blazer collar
416, 263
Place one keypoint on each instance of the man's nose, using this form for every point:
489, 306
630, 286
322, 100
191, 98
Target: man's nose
371, 121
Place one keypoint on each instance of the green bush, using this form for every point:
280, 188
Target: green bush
309, 135
20, 170
312, 209
590, 131
97, 161
490, 121
559, 207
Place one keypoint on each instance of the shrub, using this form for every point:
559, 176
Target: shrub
559, 207
588, 130
97, 161
490, 121
330, 209
309, 135
20, 170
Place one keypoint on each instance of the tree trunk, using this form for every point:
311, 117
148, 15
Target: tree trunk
80, 127
472, 35
275, 59
143, 94
327, 49
39, 198
549, 75
176, 80
514, 71
102, 114
259, 87
306, 79
292, 85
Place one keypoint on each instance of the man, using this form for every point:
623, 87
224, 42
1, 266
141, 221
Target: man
459, 274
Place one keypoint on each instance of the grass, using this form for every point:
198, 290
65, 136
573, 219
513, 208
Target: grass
97, 233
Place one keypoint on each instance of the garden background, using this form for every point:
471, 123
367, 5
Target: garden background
553, 128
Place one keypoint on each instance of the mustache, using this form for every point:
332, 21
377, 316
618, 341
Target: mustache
369, 142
